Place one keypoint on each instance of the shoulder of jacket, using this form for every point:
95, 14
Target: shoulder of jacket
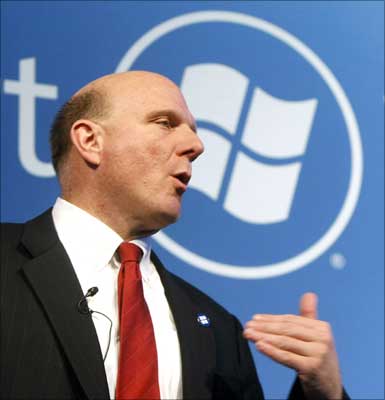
10, 231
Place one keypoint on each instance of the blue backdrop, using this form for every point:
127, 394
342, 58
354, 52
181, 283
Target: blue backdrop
289, 100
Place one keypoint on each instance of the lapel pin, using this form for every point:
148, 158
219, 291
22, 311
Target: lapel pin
203, 320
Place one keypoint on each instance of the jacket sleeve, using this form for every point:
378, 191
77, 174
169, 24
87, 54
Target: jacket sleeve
296, 392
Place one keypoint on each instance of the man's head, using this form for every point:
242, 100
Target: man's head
123, 147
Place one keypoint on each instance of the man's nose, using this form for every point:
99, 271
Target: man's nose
192, 146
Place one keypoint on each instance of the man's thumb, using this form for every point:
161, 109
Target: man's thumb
308, 305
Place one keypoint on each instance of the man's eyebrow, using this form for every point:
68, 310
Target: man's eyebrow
172, 114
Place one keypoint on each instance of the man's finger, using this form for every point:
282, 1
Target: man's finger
306, 334
284, 318
291, 360
308, 305
286, 343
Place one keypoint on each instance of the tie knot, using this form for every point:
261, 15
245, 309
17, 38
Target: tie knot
129, 252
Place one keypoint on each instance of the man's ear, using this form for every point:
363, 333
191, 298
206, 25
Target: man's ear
87, 137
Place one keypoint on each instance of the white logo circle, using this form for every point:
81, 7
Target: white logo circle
331, 235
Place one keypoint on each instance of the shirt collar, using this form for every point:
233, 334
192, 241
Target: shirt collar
89, 243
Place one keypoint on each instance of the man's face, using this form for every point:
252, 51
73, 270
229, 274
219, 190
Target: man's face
148, 148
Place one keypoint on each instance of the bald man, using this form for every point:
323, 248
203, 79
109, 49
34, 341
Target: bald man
122, 148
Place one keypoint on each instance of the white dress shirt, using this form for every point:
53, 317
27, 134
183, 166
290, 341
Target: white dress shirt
91, 246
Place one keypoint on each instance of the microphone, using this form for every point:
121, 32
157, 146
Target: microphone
91, 291
84, 309
83, 305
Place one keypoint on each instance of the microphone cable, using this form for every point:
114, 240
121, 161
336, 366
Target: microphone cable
84, 309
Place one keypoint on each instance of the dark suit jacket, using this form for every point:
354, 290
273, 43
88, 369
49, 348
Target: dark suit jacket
49, 350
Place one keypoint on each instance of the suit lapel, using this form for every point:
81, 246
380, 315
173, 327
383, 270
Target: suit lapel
197, 343
55, 284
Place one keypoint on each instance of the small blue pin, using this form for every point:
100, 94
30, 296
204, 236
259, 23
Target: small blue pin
203, 320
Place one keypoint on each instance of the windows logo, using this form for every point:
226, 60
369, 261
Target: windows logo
203, 320
274, 129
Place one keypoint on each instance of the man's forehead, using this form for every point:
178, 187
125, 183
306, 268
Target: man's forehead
140, 92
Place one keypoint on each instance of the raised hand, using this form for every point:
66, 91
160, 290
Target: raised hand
302, 343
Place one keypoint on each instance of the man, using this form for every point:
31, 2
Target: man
122, 148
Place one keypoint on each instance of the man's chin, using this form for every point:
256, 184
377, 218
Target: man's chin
155, 222
169, 217
158, 219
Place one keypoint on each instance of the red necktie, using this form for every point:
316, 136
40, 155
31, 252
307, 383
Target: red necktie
138, 361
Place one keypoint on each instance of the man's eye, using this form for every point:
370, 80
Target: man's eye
164, 122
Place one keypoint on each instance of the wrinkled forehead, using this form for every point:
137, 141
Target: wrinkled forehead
141, 93
155, 96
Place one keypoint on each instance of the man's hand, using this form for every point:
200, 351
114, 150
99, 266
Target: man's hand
302, 343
